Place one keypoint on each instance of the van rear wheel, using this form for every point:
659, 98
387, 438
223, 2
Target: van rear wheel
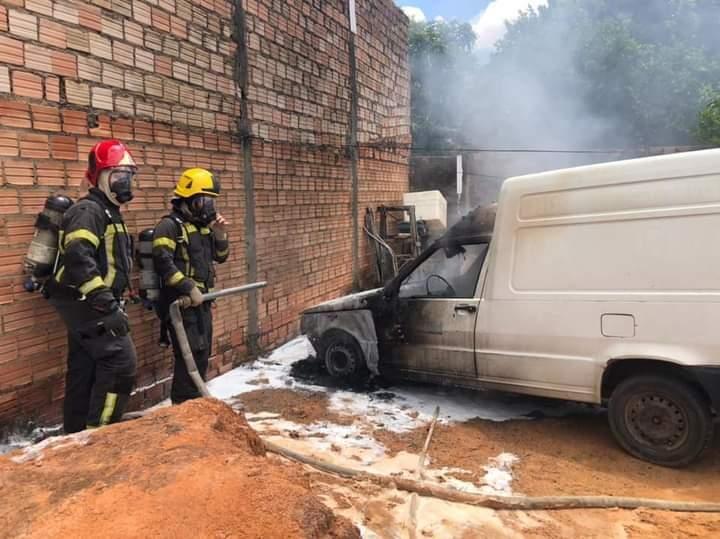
342, 356
660, 420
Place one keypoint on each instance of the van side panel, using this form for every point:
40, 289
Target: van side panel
666, 254
620, 260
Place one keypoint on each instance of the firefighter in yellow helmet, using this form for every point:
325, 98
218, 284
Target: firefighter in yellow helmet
186, 244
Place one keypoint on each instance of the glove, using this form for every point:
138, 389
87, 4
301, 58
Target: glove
116, 323
196, 297
219, 228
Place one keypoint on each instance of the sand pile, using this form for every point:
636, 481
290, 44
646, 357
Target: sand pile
196, 470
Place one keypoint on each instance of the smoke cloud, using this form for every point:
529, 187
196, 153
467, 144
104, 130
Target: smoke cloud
490, 25
603, 75
413, 13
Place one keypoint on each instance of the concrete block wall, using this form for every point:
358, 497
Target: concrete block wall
166, 77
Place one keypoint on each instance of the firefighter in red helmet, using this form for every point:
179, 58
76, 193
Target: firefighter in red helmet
93, 272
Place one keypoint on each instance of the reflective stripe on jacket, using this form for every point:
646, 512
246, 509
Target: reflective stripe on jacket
184, 253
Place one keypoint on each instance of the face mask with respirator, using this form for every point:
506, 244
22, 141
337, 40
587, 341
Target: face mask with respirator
202, 209
117, 184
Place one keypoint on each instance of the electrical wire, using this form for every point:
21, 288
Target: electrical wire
426, 151
488, 176
454, 151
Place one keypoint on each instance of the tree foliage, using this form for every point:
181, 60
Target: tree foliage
601, 73
640, 67
708, 130
441, 59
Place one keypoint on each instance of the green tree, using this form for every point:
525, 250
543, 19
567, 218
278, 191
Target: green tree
708, 130
627, 71
442, 59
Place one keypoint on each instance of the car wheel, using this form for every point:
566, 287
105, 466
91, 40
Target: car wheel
342, 356
660, 420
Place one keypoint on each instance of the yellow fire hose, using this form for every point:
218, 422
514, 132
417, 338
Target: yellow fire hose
182, 338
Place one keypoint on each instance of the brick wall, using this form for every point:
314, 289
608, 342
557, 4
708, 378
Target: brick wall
299, 108
165, 76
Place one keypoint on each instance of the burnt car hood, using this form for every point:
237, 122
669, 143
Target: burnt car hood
353, 302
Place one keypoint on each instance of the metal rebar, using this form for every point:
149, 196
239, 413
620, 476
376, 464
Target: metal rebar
232, 291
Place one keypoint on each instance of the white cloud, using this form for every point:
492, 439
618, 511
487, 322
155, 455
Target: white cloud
414, 13
490, 24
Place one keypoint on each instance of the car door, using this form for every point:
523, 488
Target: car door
436, 313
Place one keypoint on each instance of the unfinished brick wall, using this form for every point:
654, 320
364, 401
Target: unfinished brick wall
166, 77
299, 108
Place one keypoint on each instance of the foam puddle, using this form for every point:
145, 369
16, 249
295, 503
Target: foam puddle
397, 409
387, 516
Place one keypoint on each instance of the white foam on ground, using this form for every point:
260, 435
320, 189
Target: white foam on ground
498, 475
352, 442
398, 409
15, 441
272, 372
36, 451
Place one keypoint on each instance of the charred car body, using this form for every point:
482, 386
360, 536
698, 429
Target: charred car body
596, 284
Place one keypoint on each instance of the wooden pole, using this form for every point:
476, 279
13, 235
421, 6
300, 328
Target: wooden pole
420, 472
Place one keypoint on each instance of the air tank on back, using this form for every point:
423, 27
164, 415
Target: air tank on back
41, 257
149, 280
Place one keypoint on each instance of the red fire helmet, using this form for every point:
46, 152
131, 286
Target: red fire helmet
107, 154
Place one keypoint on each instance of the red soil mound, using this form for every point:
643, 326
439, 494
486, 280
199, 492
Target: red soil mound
196, 470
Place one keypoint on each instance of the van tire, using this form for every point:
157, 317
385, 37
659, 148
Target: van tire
342, 356
661, 420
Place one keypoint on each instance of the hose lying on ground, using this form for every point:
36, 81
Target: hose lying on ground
520, 503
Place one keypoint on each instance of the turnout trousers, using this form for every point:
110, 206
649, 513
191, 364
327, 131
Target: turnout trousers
197, 322
100, 369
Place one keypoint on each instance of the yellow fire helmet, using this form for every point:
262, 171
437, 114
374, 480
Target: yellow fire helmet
197, 181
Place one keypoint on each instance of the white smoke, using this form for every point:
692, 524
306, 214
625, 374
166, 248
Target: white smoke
490, 24
415, 14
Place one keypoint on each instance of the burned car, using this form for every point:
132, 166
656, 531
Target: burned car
568, 290
352, 333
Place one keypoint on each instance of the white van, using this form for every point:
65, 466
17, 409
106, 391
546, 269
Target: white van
597, 284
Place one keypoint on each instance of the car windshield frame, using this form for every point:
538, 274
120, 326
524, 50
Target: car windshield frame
393, 287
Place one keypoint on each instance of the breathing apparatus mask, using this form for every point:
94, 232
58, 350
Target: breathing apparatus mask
201, 209
117, 184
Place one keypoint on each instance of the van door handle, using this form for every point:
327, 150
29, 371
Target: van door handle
465, 307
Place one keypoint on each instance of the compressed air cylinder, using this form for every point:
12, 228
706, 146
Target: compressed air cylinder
43, 250
149, 279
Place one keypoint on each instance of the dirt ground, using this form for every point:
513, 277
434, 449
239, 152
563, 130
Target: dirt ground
196, 470
565, 456
303, 407
572, 456
199, 470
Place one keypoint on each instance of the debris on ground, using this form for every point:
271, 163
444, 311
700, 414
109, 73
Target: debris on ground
196, 470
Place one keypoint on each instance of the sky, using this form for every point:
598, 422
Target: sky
487, 16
